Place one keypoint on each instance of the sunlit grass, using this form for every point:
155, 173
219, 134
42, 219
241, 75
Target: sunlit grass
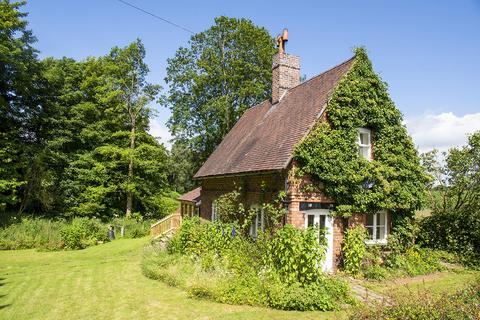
106, 282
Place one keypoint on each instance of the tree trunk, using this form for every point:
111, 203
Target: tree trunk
128, 212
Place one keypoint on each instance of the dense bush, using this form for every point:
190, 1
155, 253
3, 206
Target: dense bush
210, 261
403, 256
77, 233
32, 233
322, 294
296, 255
455, 231
83, 232
464, 304
354, 249
133, 228
413, 262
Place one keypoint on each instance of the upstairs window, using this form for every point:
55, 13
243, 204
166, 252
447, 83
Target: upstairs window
376, 225
258, 223
364, 147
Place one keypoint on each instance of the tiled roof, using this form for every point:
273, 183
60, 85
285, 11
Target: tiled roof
192, 196
263, 139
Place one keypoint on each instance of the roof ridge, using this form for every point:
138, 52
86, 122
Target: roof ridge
321, 74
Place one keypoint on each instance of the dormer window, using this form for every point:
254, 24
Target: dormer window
364, 147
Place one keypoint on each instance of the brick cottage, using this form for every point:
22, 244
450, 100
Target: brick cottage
257, 155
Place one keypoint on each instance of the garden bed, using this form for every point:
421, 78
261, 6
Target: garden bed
280, 271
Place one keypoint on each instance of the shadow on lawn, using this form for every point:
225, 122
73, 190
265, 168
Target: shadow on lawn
2, 283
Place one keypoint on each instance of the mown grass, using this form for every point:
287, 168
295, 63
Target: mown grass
440, 282
106, 282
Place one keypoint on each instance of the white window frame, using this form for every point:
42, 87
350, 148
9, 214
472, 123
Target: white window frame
374, 239
367, 146
214, 216
254, 226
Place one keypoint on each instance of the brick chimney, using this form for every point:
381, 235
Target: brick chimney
285, 70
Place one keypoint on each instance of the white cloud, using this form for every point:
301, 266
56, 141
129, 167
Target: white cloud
160, 131
441, 131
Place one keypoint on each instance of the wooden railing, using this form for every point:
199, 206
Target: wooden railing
166, 225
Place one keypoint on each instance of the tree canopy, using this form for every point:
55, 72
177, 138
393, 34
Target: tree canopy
74, 135
221, 73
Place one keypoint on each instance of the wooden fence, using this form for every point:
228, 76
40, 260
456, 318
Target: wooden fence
166, 225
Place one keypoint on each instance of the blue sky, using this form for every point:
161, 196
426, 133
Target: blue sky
427, 51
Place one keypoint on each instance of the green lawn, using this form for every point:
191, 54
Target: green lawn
105, 282
439, 282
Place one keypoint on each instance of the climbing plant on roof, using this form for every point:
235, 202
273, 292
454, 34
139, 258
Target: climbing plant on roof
394, 179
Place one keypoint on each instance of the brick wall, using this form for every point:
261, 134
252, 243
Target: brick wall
254, 187
285, 74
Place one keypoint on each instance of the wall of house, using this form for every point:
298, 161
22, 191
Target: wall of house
255, 188
298, 190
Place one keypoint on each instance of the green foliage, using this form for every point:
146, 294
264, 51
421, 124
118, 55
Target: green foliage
413, 262
322, 294
135, 227
20, 102
394, 180
220, 74
454, 196
296, 255
454, 231
230, 208
83, 232
32, 233
424, 305
204, 240
78, 233
280, 272
404, 257
74, 134
376, 272
405, 233
354, 249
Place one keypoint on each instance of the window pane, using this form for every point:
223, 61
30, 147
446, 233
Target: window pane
381, 218
380, 233
322, 221
364, 138
369, 220
310, 220
364, 152
370, 233
259, 220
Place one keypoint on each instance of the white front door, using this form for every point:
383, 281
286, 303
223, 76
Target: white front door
322, 219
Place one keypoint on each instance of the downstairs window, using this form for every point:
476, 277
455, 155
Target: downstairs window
376, 225
258, 223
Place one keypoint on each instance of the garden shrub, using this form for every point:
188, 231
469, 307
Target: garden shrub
209, 263
296, 255
414, 262
322, 294
354, 249
454, 231
133, 227
423, 305
83, 232
376, 272
32, 233
403, 256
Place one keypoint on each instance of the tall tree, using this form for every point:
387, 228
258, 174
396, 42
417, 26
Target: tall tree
20, 103
135, 93
221, 73
115, 165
